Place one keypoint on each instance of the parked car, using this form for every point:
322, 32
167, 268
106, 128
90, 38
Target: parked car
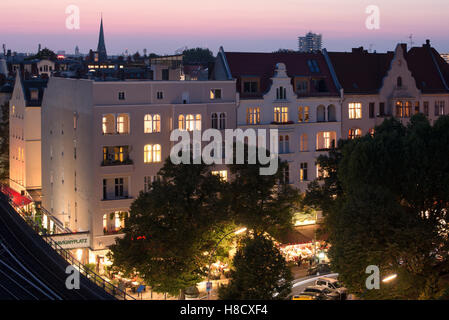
327, 293
333, 284
321, 268
309, 296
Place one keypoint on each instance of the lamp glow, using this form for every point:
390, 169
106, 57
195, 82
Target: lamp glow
240, 231
389, 278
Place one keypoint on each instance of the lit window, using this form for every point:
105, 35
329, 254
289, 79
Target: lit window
303, 143
252, 115
281, 114
181, 122
223, 174
156, 123
122, 124
354, 133
198, 122
190, 122
326, 140
355, 111
148, 123
157, 153
147, 153
303, 172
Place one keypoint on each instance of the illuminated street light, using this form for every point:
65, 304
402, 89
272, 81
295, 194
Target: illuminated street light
389, 278
240, 231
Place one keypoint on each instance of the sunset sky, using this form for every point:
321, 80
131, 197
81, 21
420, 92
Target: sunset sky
237, 25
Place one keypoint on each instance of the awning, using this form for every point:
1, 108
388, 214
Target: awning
302, 235
16, 197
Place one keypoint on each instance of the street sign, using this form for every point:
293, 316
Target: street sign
208, 286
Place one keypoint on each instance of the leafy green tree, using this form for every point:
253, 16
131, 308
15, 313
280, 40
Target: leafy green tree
173, 228
262, 203
260, 272
198, 56
385, 199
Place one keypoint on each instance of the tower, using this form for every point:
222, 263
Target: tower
101, 49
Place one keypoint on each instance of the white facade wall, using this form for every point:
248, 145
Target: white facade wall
89, 102
294, 130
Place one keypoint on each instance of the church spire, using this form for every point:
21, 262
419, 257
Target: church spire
101, 49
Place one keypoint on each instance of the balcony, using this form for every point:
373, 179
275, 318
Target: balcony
111, 162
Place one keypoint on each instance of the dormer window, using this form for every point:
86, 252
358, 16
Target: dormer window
34, 94
313, 66
250, 85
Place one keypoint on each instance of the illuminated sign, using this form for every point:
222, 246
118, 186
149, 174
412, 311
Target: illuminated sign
72, 240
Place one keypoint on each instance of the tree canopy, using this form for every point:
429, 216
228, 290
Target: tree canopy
198, 56
385, 199
260, 272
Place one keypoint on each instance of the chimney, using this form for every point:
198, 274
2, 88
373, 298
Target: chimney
427, 43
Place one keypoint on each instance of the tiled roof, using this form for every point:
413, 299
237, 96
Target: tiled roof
359, 71
262, 65
426, 64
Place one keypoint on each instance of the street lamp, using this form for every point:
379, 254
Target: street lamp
235, 232
389, 278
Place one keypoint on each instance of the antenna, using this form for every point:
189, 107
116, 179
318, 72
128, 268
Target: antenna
411, 40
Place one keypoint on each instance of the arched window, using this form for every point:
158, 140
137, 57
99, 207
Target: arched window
214, 121
321, 113
190, 122
148, 124
399, 82
156, 123
399, 110
222, 120
147, 157
354, 133
198, 122
157, 153
181, 122
123, 123
331, 113
303, 142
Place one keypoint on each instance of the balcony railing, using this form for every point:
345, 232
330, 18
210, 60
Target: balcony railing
127, 161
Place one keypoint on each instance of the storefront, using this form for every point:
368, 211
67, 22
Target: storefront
304, 243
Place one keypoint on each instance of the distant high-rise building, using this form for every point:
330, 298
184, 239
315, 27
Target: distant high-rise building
311, 42
77, 51
101, 49
445, 56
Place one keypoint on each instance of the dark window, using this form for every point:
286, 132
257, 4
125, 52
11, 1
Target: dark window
165, 74
160, 95
121, 95
281, 93
119, 187
250, 87
313, 66
399, 82
426, 108
382, 109
214, 121
416, 107
105, 191
303, 172
371, 109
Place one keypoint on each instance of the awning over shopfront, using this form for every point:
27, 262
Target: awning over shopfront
16, 197
302, 235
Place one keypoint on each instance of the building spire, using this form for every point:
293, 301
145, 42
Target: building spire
101, 49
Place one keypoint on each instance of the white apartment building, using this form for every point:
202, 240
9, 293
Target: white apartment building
25, 135
291, 92
104, 142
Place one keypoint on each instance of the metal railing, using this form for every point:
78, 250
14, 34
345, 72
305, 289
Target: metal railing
88, 273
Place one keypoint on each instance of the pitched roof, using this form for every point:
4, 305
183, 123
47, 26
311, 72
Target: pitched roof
262, 65
429, 69
360, 72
